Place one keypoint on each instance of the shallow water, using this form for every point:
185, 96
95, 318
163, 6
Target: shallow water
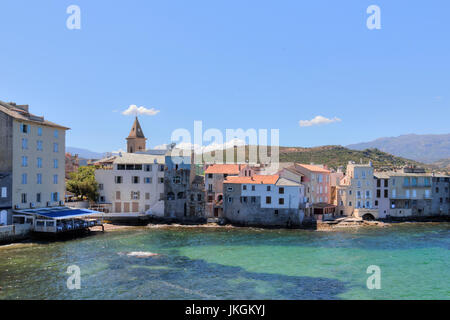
234, 263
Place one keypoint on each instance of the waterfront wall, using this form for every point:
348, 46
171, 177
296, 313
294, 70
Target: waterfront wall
14, 232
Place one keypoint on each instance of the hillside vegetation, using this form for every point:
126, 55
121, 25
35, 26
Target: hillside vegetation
335, 156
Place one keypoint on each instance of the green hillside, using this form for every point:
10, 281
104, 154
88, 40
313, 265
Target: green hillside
335, 156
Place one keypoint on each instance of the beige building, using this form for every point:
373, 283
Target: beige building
355, 192
32, 160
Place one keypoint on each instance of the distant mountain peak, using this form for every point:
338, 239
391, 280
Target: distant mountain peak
426, 148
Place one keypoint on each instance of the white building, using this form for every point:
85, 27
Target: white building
263, 200
132, 183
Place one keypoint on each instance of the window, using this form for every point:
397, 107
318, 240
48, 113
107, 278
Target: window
268, 200
281, 201
24, 143
268, 188
199, 197
379, 193
176, 180
39, 145
376, 202
135, 179
414, 193
147, 196
55, 197
24, 161
55, 179
378, 183
38, 197
100, 186
407, 194
148, 167
253, 199
437, 190
24, 178
4, 192
135, 195
102, 198
394, 193
427, 182
39, 178
281, 190
414, 181
117, 195
244, 187
276, 212
427, 193
406, 182
23, 198
161, 180
230, 199
368, 204
210, 188
55, 147
230, 189
386, 183
161, 167
39, 162
367, 193
55, 163
210, 175
210, 198
39, 131
55, 133
23, 128
147, 180
253, 188
118, 179
349, 203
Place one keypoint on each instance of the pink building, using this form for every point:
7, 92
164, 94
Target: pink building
317, 181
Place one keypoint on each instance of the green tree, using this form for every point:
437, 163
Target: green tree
83, 183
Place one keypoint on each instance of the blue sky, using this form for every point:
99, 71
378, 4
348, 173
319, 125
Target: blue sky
231, 64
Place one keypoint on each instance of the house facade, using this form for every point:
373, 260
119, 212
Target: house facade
355, 192
263, 200
215, 175
132, 183
183, 190
316, 179
410, 191
441, 195
32, 161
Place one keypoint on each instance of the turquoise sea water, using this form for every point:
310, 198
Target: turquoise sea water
235, 263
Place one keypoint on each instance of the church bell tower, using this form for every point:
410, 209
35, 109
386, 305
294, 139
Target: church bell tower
136, 139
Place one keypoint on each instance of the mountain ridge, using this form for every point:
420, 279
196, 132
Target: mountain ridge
426, 148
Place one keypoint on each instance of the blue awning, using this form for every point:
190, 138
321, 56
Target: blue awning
59, 213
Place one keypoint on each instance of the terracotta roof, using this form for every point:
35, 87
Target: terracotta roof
223, 168
136, 130
272, 179
313, 168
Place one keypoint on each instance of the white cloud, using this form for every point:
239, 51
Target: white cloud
134, 110
318, 120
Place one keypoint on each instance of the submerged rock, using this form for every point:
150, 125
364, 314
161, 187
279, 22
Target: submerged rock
140, 254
